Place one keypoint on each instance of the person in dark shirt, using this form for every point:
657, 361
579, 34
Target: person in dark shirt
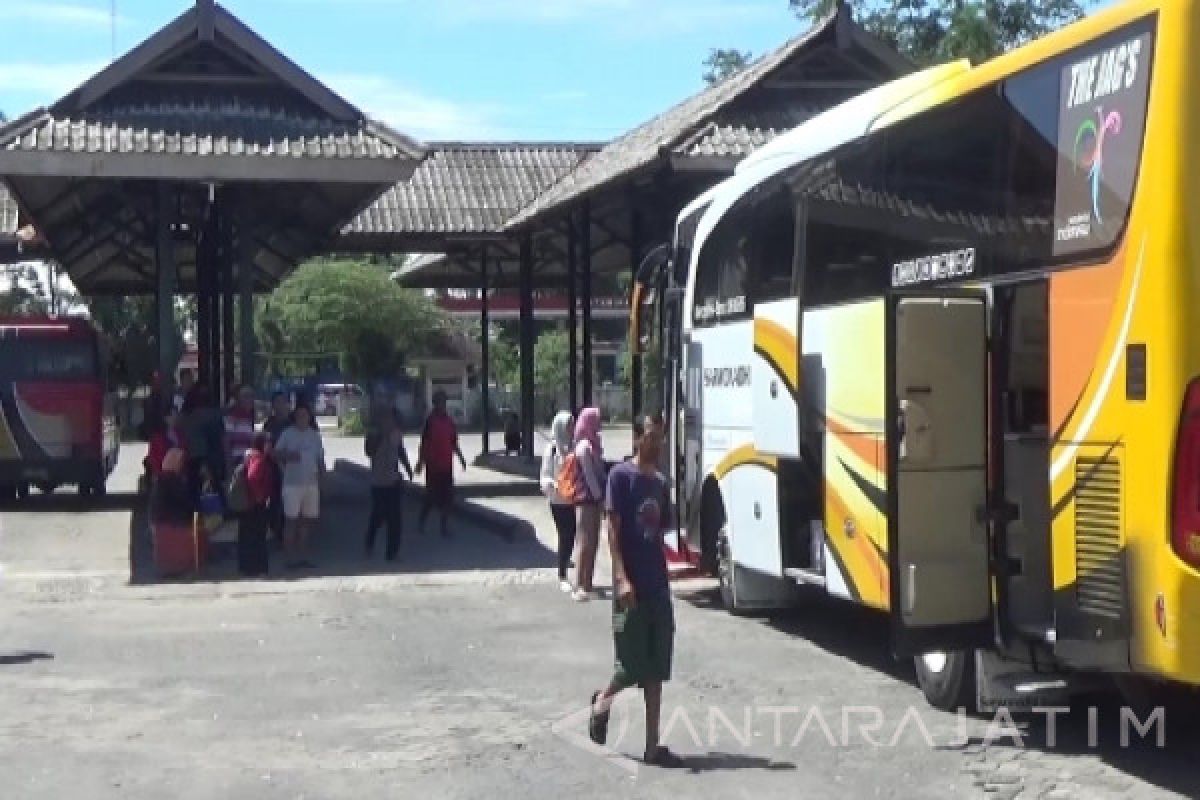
638, 506
279, 420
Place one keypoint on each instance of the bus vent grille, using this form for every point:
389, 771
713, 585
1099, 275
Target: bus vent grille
1100, 576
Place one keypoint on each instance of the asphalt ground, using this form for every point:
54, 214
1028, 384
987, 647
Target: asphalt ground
462, 671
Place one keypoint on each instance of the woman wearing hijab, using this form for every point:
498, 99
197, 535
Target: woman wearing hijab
560, 507
590, 455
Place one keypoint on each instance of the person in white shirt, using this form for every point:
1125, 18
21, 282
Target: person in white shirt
302, 457
560, 507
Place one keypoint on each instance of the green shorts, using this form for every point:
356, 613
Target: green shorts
644, 640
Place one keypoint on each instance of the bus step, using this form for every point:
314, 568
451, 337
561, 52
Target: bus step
805, 576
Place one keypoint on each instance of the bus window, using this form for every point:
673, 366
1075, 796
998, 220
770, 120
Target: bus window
942, 173
722, 272
47, 359
774, 252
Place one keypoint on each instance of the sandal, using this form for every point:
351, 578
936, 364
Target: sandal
598, 722
662, 757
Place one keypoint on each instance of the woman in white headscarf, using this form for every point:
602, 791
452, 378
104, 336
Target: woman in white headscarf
561, 509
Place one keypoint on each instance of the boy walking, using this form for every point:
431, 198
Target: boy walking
638, 506
439, 446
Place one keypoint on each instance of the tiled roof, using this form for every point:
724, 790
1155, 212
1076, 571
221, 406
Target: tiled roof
203, 123
469, 188
670, 132
742, 134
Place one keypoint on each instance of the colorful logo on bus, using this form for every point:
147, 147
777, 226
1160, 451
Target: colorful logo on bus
1089, 151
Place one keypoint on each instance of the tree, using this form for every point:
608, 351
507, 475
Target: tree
552, 360
351, 309
131, 326
722, 62
930, 31
505, 365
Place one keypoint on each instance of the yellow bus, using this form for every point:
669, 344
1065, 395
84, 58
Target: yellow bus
935, 353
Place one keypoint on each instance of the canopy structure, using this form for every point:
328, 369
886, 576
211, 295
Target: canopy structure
604, 215
204, 161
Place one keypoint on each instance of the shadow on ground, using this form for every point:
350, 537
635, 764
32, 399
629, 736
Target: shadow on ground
844, 629
863, 636
27, 657
724, 762
64, 501
487, 541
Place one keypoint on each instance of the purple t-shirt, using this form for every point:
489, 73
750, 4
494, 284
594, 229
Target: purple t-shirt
642, 504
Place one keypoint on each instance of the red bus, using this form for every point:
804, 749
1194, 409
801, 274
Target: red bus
57, 416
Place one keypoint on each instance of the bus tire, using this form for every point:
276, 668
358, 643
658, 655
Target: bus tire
22, 491
712, 522
947, 679
726, 573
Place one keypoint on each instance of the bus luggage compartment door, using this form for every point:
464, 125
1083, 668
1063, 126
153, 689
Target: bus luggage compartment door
776, 378
938, 549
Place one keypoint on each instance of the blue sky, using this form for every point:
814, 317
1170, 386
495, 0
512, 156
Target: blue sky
437, 69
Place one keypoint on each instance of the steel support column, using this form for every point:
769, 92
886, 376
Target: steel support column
245, 275
572, 314
635, 356
585, 298
228, 291
165, 290
216, 291
485, 325
204, 319
527, 346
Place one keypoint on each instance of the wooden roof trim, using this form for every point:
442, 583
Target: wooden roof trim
201, 23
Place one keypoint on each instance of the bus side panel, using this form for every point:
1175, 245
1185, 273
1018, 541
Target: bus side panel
844, 374
745, 476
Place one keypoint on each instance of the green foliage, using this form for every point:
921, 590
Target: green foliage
722, 62
353, 424
552, 360
131, 326
931, 31
505, 364
351, 309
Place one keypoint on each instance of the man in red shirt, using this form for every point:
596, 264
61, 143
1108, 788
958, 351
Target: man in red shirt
439, 445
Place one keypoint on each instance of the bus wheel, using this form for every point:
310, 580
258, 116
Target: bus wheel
22, 491
947, 678
46, 487
725, 570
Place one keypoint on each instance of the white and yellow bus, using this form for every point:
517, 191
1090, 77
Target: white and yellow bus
935, 352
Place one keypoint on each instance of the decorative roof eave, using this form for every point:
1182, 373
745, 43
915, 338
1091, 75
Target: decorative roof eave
193, 167
629, 155
203, 21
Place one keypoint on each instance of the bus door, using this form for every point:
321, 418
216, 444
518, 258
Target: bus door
938, 551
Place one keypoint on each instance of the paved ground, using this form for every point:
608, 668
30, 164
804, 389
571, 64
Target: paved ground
462, 673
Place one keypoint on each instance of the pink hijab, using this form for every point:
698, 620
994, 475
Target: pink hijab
588, 427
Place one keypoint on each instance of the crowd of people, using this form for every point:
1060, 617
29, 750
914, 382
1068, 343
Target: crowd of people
208, 463
634, 498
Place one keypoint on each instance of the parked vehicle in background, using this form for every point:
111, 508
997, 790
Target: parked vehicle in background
331, 397
58, 420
